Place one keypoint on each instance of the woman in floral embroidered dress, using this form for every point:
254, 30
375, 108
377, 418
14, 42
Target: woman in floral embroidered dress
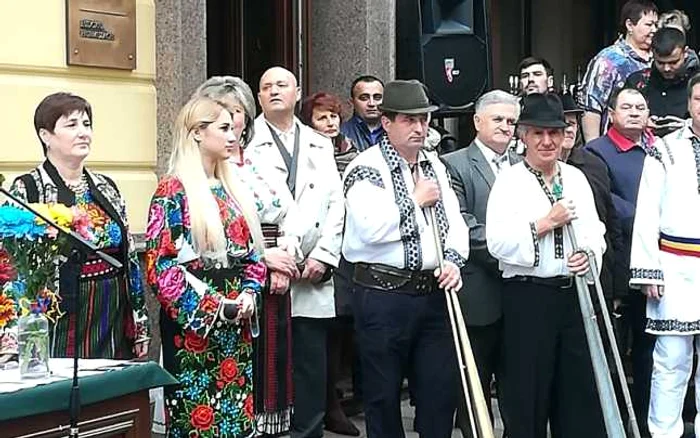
204, 263
276, 210
112, 321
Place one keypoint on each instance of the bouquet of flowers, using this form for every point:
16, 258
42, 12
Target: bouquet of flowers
29, 262
30, 259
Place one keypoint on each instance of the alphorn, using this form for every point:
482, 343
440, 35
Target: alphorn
477, 410
606, 393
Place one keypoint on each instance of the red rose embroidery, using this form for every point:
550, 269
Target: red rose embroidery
168, 186
151, 276
209, 304
177, 340
248, 407
238, 231
195, 343
232, 295
202, 417
166, 247
172, 311
228, 370
220, 384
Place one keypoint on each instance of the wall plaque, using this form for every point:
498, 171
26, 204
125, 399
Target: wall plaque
101, 33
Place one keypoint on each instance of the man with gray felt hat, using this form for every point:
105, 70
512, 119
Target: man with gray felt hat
399, 301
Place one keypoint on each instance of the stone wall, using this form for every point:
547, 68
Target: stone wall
181, 63
348, 39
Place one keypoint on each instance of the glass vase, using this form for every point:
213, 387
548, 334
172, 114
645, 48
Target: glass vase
33, 336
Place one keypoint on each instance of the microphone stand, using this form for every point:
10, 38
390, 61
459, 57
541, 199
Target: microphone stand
80, 250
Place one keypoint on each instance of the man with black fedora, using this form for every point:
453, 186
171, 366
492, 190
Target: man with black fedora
401, 318
547, 375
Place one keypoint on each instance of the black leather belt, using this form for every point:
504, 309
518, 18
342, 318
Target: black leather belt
391, 279
561, 282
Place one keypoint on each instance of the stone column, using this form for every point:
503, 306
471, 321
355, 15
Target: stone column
348, 39
181, 65
181, 60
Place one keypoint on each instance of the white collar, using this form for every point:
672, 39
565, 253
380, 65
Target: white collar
490, 154
279, 132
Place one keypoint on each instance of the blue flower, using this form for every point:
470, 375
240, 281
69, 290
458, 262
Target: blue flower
18, 222
114, 233
175, 216
228, 406
188, 301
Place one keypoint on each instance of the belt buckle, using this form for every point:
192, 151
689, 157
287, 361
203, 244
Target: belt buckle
569, 283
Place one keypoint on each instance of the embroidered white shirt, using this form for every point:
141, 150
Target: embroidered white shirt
517, 201
384, 223
668, 207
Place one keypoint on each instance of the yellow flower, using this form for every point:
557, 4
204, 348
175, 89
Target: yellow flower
59, 213
7, 310
62, 215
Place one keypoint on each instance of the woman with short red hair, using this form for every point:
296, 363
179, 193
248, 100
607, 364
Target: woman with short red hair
322, 111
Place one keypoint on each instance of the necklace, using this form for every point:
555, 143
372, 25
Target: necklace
80, 187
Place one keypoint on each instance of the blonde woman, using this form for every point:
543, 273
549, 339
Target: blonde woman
204, 263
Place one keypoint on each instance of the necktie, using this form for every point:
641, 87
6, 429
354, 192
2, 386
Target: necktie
498, 160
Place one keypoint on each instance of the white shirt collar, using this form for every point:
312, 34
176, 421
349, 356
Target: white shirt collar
279, 132
489, 153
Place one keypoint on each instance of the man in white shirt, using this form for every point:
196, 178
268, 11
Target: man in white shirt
399, 304
298, 159
665, 264
548, 375
473, 171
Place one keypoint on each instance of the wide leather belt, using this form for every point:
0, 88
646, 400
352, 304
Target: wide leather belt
391, 279
561, 282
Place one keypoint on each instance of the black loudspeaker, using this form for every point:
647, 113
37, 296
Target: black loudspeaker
444, 44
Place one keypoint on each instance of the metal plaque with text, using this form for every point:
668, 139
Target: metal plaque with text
101, 33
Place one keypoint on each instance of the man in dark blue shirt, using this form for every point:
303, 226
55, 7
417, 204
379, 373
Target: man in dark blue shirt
364, 129
623, 149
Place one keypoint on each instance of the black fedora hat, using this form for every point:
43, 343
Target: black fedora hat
542, 110
569, 104
406, 97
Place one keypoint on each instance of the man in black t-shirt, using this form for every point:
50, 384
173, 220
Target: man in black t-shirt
664, 83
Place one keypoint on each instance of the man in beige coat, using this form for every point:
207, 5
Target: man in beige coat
301, 161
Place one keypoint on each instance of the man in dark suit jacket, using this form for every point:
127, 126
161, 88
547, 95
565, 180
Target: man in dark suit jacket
473, 171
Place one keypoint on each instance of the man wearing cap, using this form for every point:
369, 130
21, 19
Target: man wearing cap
392, 194
548, 374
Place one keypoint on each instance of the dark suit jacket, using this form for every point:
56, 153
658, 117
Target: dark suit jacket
472, 179
613, 273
